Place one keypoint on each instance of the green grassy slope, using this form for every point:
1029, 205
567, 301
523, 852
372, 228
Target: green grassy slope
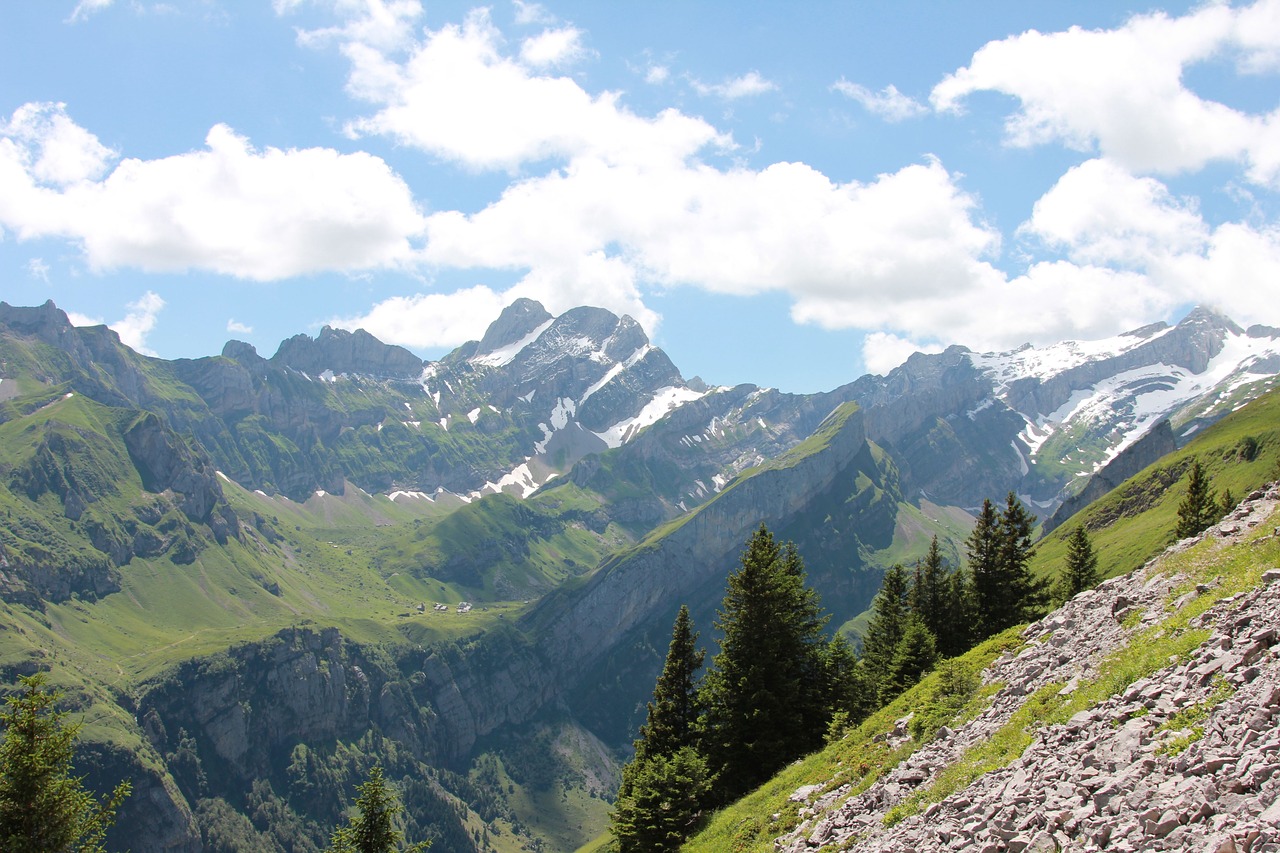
1134, 522
1128, 526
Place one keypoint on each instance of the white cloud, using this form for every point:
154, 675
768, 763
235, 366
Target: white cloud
383, 24
746, 86
53, 148
85, 8
528, 14
882, 352
552, 48
1101, 213
458, 97
1121, 91
37, 268
78, 319
139, 322
657, 74
431, 319
255, 214
888, 103
238, 328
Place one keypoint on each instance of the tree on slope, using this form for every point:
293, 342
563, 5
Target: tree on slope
1005, 593
373, 828
763, 695
889, 613
1081, 570
660, 801
1198, 510
43, 808
664, 787
929, 590
672, 718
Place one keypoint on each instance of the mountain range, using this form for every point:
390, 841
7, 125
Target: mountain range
234, 557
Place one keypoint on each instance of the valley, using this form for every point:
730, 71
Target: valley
235, 566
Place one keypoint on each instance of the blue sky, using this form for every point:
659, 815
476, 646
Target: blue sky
786, 194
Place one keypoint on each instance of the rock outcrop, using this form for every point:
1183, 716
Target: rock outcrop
1185, 759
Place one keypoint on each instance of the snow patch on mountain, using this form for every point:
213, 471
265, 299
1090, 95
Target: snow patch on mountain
664, 400
505, 355
1046, 362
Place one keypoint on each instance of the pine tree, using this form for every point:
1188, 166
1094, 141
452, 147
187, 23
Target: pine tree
660, 801
983, 548
915, 654
671, 726
1081, 570
1226, 504
929, 590
959, 630
888, 620
762, 696
373, 828
673, 714
1000, 552
1198, 510
43, 808
1026, 595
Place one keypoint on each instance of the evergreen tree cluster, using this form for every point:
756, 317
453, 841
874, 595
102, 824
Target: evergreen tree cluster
766, 700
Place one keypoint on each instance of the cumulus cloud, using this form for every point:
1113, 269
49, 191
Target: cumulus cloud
746, 86
1122, 91
37, 268
230, 208
457, 96
51, 147
139, 322
552, 48
882, 351
888, 103
238, 328
1101, 213
431, 319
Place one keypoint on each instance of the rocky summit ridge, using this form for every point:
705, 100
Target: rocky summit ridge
1185, 758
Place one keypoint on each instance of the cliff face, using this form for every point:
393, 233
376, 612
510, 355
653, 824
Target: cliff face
1184, 758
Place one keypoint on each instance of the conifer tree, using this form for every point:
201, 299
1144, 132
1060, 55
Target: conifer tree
929, 590
672, 718
1081, 570
660, 801
983, 549
915, 654
1027, 595
762, 695
1198, 510
888, 620
959, 630
373, 828
43, 808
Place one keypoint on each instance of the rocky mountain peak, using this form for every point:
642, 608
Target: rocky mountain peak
341, 351
241, 351
516, 322
47, 322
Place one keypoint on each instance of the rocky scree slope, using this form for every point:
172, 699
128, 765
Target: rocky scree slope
1186, 758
